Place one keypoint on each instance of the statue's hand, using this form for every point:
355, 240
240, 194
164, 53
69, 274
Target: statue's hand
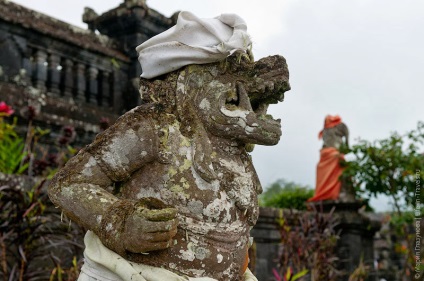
150, 227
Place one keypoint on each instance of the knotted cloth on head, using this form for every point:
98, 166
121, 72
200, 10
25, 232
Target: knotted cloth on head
330, 122
193, 41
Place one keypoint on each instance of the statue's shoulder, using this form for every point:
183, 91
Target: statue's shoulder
152, 112
134, 123
141, 113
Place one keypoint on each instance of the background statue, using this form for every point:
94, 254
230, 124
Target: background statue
169, 191
335, 132
328, 182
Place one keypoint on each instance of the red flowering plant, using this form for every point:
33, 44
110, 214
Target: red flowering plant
5, 110
67, 136
104, 123
308, 247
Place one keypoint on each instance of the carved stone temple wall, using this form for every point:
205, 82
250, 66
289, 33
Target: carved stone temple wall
74, 76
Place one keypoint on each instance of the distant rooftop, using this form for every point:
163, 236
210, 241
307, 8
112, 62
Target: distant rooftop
84, 38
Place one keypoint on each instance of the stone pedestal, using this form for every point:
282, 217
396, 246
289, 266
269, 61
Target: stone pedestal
356, 233
267, 238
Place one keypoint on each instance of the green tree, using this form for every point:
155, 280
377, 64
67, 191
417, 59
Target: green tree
392, 167
284, 194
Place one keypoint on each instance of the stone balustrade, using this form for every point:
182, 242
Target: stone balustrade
60, 75
73, 76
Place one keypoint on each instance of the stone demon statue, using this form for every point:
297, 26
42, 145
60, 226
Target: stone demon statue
169, 191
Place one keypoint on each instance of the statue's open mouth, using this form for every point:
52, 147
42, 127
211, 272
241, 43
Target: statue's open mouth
238, 104
260, 103
249, 102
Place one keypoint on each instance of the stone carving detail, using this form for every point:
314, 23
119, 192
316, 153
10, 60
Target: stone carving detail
172, 177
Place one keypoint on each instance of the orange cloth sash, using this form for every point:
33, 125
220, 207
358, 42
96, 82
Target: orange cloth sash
328, 173
245, 263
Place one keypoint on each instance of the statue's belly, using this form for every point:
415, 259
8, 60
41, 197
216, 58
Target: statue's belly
201, 249
214, 220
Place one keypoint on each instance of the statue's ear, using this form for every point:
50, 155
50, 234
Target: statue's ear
193, 128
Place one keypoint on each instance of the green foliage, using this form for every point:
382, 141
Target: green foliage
388, 166
297, 276
20, 155
115, 63
289, 275
286, 195
15, 151
12, 152
397, 221
393, 167
361, 272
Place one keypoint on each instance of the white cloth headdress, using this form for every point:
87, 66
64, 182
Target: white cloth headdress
193, 41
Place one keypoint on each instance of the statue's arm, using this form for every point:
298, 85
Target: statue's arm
82, 188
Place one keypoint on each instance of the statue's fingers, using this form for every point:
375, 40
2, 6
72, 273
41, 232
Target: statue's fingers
160, 214
159, 226
142, 246
159, 236
158, 245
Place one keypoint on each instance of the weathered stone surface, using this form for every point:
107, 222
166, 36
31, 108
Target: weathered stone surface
185, 146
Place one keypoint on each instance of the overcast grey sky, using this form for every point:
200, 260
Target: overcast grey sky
361, 59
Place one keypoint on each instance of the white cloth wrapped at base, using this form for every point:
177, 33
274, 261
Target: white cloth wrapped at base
102, 264
193, 41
